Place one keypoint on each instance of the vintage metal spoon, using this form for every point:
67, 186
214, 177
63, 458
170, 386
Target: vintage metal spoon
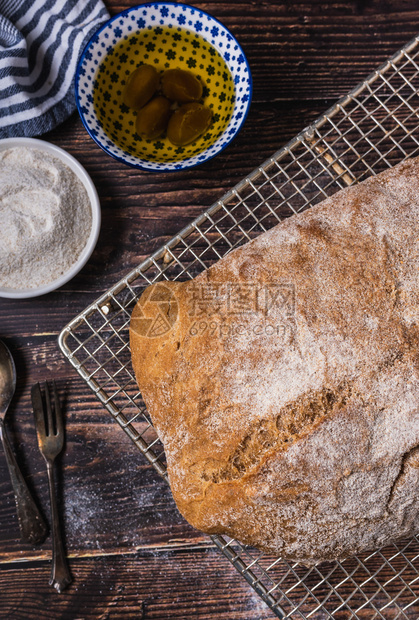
32, 526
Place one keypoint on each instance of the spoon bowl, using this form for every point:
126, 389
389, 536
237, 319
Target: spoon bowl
7, 379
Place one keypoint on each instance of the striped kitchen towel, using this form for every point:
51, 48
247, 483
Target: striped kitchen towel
40, 44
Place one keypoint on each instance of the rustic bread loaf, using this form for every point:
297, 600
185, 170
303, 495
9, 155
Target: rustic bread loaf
284, 380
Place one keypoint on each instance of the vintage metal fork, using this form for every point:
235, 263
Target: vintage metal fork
50, 432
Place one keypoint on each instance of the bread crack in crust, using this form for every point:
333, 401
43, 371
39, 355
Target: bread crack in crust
284, 380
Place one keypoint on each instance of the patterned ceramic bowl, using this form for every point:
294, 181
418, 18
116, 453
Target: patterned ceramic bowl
165, 35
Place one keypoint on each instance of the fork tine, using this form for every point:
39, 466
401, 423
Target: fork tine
50, 419
38, 411
58, 417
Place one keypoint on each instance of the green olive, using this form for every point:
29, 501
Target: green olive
181, 86
152, 119
188, 122
141, 86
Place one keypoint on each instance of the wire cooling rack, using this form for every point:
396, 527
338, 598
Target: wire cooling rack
375, 126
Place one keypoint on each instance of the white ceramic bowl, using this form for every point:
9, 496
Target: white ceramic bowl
78, 169
99, 99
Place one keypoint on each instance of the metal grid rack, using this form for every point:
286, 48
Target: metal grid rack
372, 128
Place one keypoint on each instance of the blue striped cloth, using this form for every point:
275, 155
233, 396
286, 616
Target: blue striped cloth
40, 44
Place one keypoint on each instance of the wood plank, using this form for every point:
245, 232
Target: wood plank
145, 586
172, 584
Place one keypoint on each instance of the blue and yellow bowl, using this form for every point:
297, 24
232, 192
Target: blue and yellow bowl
165, 35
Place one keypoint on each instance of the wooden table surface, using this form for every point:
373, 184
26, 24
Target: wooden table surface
131, 553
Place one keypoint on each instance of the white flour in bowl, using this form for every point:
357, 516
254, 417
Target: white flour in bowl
45, 218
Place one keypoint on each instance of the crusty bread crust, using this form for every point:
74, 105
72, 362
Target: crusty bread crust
283, 381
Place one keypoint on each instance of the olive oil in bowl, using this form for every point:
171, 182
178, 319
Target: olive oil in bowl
164, 48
